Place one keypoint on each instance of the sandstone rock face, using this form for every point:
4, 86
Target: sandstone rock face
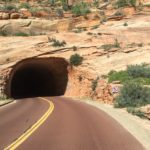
80, 85
37, 26
15, 16
103, 92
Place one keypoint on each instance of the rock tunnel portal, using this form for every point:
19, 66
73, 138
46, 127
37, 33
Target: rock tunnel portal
38, 77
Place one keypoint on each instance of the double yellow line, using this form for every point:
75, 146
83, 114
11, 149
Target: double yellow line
34, 127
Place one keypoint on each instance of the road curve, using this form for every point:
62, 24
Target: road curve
73, 125
18, 117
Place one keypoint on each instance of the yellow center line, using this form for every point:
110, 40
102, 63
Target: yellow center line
33, 128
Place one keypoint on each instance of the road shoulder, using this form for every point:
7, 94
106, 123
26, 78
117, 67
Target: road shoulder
5, 102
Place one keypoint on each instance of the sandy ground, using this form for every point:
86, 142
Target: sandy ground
140, 128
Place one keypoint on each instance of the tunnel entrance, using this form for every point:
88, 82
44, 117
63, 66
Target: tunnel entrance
38, 77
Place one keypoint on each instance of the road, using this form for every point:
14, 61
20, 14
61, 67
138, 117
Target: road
72, 125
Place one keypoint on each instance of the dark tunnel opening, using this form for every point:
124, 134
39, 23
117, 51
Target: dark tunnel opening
38, 77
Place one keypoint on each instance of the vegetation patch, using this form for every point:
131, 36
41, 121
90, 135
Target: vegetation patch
108, 47
135, 73
56, 43
133, 94
21, 34
136, 111
124, 3
76, 60
25, 5
81, 9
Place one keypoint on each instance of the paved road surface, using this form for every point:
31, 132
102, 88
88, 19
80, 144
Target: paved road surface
73, 125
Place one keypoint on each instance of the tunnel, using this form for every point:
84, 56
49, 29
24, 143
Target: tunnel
37, 77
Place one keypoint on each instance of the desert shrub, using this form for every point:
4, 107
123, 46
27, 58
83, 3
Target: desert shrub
89, 33
124, 3
95, 27
76, 60
4, 33
65, 5
80, 9
133, 94
25, 5
125, 24
74, 48
10, 7
108, 47
21, 34
96, 3
121, 3
56, 43
140, 44
79, 30
121, 76
132, 2
136, 111
59, 12
139, 71
51, 2
94, 84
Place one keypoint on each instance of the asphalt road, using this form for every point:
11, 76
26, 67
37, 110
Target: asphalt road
73, 125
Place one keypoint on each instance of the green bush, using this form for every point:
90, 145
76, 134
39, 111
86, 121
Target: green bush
132, 3
136, 111
121, 76
76, 60
80, 9
25, 5
133, 95
51, 2
121, 3
138, 71
10, 7
65, 5
56, 43
124, 3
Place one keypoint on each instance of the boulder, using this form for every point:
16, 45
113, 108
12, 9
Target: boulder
15, 16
